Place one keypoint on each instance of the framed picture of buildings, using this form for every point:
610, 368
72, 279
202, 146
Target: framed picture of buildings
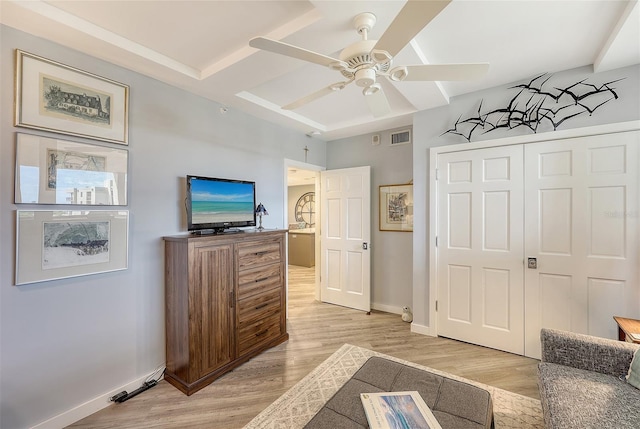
54, 245
396, 208
54, 97
56, 171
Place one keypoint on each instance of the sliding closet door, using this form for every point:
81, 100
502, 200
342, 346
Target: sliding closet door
480, 249
581, 226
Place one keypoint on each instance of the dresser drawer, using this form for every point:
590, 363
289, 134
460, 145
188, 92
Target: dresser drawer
258, 307
254, 253
256, 280
258, 332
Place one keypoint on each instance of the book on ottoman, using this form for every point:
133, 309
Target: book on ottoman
398, 410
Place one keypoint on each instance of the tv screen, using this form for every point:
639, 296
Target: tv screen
218, 204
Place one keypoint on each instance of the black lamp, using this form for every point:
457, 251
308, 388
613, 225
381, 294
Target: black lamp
261, 211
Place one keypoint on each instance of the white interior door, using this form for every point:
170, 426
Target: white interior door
581, 214
345, 218
480, 249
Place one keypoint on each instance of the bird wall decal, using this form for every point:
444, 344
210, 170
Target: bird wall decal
542, 107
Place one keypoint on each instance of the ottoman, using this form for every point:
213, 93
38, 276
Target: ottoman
455, 404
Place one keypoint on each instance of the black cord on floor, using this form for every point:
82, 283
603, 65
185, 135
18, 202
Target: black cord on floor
148, 384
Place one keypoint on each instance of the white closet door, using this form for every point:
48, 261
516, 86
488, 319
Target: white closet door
581, 225
480, 248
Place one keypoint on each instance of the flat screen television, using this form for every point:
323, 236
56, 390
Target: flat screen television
215, 205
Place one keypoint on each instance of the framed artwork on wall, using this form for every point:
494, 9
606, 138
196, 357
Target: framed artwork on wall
396, 208
54, 97
54, 245
56, 171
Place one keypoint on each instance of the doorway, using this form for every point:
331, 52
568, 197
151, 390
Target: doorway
301, 215
338, 215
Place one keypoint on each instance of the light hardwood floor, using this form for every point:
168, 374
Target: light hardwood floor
316, 330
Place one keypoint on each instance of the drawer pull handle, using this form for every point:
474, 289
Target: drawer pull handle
264, 252
261, 279
262, 306
259, 334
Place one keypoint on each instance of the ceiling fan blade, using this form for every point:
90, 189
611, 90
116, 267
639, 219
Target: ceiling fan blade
413, 17
446, 72
292, 51
378, 104
335, 87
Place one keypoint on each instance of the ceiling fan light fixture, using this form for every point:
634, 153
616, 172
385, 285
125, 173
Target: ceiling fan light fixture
337, 86
371, 89
398, 73
365, 77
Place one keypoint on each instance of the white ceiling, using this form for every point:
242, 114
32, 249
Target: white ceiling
298, 177
202, 47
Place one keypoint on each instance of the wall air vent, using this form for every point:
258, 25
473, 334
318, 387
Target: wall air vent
400, 137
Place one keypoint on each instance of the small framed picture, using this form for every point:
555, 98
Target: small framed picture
56, 171
54, 245
54, 97
396, 208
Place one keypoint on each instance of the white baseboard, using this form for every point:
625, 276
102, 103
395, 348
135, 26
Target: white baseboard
91, 406
386, 308
424, 330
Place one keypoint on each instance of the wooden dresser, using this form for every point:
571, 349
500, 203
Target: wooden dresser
224, 303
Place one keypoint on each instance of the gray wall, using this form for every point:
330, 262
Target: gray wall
391, 271
65, 342
430, 124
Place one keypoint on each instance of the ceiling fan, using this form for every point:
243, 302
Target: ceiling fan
363, 62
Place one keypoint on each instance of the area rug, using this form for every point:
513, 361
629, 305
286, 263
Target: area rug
299, 404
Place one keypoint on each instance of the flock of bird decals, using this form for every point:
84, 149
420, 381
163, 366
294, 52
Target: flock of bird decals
534, 105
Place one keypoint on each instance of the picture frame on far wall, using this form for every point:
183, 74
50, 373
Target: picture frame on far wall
56, 171
55, 97
396, 208
54, 245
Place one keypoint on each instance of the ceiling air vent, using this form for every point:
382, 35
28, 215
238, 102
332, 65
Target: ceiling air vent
401, 137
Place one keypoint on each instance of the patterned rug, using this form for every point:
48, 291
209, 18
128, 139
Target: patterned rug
298, 405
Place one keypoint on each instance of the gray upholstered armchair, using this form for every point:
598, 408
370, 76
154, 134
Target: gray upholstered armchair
582, 384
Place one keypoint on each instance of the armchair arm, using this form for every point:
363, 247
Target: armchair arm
587, 352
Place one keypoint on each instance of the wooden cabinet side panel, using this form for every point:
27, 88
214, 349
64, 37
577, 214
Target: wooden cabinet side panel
283, 288
177, 308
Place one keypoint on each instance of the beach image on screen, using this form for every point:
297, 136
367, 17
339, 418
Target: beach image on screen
219, 201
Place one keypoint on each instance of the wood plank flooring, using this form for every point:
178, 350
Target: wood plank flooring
316, 330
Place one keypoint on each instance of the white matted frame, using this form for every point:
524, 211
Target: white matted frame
54, 97
55, 171
54, 245
396, 208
